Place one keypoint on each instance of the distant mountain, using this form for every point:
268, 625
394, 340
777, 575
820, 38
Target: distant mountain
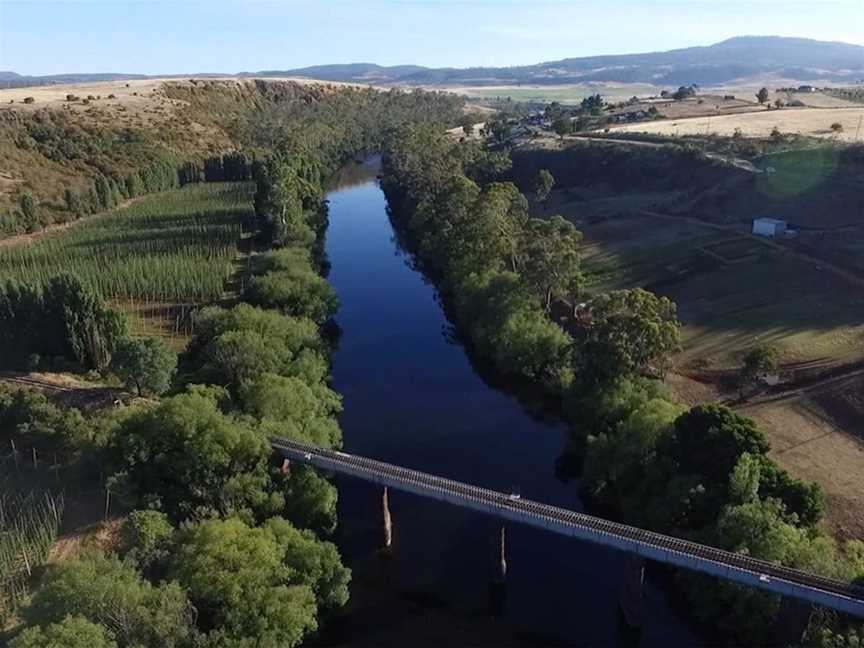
737, 58
355, 72
795, 59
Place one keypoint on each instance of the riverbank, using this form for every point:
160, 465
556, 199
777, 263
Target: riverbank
413, 397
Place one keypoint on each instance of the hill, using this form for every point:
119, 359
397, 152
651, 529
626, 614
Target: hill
736, 58
742, 57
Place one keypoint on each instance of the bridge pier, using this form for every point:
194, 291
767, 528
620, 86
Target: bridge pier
630, 593
386, 521
498, 582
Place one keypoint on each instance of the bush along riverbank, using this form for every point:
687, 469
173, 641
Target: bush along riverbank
701, 473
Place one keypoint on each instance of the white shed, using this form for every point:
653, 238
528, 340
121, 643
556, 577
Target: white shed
769, 227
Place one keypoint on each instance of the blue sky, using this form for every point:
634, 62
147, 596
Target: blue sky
186, 36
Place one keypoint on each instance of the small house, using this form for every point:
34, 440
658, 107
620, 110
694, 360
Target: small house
769, 227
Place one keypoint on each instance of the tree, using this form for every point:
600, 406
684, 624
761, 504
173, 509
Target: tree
88, 330
543, 184
837, 127
562, 125
148, 364
29, 100
73, 202
499, 129
105, 591
146, 538
316, 563
298, 292
243, 583
495, 233
29, 210
628, 331
551, 263
71, 632
776, 135
710, 439
304, 409
592, 104
762, 95
761, 360
684, 92
191, 460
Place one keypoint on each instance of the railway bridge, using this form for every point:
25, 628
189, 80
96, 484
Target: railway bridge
727, 565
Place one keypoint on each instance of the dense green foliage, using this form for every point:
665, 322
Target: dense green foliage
113, 594
285, 279
71, 632
61, 319
487, 253
265, 582
191, 460
704, 474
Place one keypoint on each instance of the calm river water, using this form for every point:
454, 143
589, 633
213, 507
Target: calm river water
412, 397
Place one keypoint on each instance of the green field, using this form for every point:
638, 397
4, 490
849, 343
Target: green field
564, 94
155, 259
175, 246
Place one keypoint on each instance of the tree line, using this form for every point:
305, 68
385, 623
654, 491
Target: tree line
701, 473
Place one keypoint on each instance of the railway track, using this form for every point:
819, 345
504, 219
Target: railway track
740, 568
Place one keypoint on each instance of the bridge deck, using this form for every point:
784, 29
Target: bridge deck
736, 567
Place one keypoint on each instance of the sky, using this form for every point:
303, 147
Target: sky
192, 36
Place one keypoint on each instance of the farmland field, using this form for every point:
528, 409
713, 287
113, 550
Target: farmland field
732, 290
162, 254
814, 122
566, 94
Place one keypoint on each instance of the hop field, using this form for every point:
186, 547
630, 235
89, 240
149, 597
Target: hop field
174, 247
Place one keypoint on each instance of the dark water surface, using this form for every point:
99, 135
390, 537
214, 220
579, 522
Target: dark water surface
411, 397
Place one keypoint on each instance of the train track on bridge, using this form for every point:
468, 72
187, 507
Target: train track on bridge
841, 596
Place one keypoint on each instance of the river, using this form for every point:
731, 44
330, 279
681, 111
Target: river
412, 397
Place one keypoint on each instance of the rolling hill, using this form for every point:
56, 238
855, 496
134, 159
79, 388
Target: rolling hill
736, 58
742, 57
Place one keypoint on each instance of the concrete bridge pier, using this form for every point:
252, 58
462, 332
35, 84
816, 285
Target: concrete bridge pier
630, 593
498, 582
386, 521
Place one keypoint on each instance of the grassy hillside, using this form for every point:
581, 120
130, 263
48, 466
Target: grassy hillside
56, 145
677, 222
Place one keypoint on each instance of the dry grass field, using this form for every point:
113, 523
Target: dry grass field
812, 122
732, 290
815, 438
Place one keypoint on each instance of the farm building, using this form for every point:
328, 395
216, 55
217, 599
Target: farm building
769, 227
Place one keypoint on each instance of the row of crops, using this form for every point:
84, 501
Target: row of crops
28, 527
178, 246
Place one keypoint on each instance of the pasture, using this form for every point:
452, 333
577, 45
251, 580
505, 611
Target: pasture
155, 259
811, 122
732, 290
565, 94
